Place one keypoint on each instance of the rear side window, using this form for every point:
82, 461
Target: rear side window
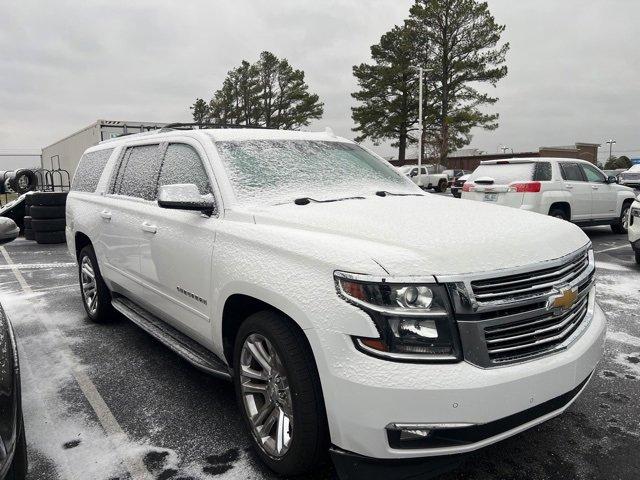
571, 172
138, 173
542, 172
90, 170
182, 164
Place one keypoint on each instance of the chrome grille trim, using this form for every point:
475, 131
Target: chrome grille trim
502, 318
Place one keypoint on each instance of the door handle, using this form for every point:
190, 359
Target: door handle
568, 185
595, 187
148, 227
105, 214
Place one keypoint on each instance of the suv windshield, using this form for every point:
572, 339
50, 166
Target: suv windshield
275, 171
505, 173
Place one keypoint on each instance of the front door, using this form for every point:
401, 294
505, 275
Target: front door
575, 183
604, 199
177, 248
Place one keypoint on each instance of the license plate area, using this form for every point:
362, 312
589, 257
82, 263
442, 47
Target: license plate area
490, 197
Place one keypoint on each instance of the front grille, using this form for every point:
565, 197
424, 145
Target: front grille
512, 288
533, 336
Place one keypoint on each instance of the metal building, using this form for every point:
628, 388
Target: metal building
65, 154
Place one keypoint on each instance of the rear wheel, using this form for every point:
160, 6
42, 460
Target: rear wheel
441, 187
279, 394
622, 224
96, 297
558, 213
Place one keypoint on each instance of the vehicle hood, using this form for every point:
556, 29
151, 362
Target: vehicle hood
430, 234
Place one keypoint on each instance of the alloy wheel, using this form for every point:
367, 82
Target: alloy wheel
266, 395
625, 218
89, 286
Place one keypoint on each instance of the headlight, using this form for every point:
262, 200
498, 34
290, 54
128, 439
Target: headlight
414, 319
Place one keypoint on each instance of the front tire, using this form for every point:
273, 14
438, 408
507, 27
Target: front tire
96, 296
19, 465
279, 394
622, 224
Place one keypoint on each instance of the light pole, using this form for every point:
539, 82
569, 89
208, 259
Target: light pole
611, 141
420, 128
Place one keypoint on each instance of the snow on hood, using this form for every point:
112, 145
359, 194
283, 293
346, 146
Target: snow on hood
432, 235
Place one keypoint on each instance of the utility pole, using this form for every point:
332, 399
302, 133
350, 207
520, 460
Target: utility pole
611, 141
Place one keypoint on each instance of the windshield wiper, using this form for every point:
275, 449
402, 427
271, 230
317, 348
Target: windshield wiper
308, 200
384, 193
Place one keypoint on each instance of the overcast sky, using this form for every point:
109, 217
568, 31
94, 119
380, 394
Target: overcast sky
574, 65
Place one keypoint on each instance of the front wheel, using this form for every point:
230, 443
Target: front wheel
19, 465
279, 394
622, 225
96, 297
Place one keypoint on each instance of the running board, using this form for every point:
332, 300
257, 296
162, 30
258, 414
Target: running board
187, 348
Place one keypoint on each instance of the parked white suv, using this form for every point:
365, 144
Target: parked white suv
569, 189
634, 228
427, 178
293, 264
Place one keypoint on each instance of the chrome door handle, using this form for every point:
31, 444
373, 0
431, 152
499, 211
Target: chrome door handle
569, 186
148, 227
595, 187
105, 214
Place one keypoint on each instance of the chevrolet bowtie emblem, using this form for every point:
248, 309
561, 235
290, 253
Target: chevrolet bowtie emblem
564, 300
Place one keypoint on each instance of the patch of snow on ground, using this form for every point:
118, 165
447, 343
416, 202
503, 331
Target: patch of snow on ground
622, 337
612, 266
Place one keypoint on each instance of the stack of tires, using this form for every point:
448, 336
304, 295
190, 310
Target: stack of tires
44, 219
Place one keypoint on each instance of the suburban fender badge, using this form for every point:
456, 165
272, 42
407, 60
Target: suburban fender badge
563, 300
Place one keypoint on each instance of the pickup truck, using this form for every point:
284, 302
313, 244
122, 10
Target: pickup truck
427, 179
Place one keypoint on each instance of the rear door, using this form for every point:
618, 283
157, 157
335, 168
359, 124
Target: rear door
604, 196
130, 194
177, 248
575, 182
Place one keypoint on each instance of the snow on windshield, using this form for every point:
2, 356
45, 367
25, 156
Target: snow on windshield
506, 173
275, 171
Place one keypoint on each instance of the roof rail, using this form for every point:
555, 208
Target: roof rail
121, 136
199, 126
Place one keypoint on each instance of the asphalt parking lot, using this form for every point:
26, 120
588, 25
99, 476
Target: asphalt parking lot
108, 402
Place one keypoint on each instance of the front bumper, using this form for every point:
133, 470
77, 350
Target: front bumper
363, 394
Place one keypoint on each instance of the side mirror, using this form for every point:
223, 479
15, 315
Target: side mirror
612, 179
9, 231
413, 174
185, 196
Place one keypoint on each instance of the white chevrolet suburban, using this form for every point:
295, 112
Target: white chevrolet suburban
292, 264
570, 189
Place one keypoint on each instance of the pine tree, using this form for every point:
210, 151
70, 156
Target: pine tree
459, 41
268, 93
200, 110
388, 92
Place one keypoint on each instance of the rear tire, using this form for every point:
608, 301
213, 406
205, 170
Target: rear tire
638, 257
622, 224
289, 358
96, 297
441, 187
558, 213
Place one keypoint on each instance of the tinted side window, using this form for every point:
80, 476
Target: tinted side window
182, 164
571, 172
90, 170
138, 172
542, 172
593, 175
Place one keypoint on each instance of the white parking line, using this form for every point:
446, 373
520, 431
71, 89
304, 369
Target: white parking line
612, 248
114, 432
